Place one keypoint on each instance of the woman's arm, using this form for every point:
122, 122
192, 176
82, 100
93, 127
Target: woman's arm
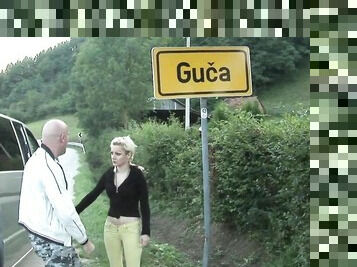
92, 195
144, 205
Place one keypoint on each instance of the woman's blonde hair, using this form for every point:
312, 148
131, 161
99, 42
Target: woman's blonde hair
126, 143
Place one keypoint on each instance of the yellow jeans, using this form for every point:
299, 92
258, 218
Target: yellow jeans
123, 239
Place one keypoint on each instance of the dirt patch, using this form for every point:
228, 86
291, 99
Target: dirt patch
229, 248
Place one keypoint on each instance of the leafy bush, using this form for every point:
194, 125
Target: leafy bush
252, 107
221, 112
184, 174
263, 187
157, 145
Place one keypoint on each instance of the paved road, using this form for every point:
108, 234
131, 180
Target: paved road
70, 164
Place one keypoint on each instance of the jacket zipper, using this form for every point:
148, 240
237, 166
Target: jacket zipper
51, 215
64, 175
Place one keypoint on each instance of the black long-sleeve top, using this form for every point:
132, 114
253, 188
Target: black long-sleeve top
126, 201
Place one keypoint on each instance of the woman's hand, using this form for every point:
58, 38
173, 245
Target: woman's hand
144, 240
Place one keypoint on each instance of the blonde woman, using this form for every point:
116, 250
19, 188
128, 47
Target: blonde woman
126, 230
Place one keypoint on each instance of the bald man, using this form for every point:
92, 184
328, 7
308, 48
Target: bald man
46, 209
55, 136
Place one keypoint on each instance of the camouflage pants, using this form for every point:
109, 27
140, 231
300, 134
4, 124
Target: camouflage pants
54, 255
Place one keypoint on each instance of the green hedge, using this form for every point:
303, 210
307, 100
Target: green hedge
259, 173
263, 187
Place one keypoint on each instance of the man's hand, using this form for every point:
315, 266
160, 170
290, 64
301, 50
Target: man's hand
144, 240
88, 247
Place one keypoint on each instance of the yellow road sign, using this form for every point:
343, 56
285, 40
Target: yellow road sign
188, 72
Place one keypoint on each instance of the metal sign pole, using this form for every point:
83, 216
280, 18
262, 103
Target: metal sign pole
206, 184
187, 102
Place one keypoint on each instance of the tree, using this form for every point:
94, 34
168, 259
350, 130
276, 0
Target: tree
112, 81
39, 86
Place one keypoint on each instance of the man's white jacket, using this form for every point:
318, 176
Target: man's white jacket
46, 208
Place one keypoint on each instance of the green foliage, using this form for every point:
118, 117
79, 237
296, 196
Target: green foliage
251, 107
164, 255
237, 179
183, 177
290, 94
266, 177
157, 145
113, 78
36, 87
296, 255
221, 112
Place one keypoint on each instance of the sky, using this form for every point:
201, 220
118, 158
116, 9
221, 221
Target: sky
13, 49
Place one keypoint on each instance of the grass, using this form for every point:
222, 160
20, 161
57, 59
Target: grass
70, 120
290, 94
154, 255
94, 216
164, 255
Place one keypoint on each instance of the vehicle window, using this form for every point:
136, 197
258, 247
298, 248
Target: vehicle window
32, 141
10, 155
20, 132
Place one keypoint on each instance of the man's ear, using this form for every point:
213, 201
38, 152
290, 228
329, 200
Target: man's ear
62, 137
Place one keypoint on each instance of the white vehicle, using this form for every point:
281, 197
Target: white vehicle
17, 144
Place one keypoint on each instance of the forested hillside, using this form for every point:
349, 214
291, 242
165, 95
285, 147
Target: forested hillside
35, 87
